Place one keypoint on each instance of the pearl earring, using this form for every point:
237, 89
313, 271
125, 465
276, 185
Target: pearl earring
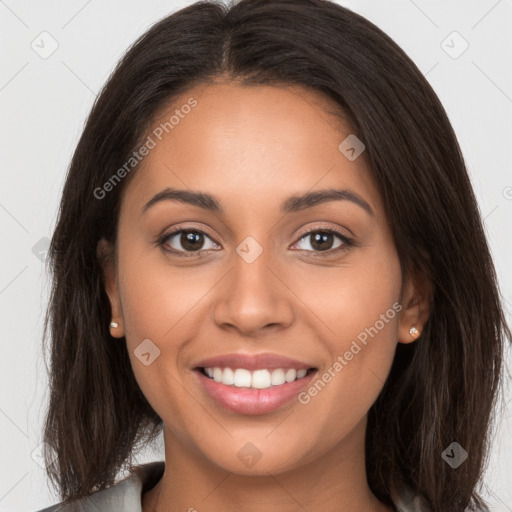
414, 332
114, 324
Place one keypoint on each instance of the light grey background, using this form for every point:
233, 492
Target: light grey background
44, 102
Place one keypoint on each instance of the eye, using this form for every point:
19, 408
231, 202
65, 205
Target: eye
191, 240
322, 241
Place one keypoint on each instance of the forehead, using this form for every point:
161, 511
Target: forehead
253, 145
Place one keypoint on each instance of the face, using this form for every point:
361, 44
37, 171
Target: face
316, 282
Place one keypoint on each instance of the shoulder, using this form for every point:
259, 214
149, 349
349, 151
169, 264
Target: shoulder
405, 500
123, 496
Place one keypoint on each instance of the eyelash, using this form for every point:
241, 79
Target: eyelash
347, 242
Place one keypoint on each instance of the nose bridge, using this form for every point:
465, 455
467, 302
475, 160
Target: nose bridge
251, 267
251, 277
253, 296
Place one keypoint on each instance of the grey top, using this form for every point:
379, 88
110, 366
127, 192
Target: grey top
126, 495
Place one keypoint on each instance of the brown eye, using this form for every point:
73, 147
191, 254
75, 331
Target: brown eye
324, 241
321, 241
186, 240
191, 240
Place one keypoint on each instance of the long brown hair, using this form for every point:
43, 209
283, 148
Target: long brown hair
441, 388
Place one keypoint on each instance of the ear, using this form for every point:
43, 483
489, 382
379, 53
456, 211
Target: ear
415, 308
105, 253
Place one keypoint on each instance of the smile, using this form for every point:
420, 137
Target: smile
256, 379
237, 391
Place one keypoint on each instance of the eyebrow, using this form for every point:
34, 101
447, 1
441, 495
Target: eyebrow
292, 204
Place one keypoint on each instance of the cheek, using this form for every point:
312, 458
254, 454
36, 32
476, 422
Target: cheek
154, 334
350, 299
358, 310
161, 313
346, 388
158, 298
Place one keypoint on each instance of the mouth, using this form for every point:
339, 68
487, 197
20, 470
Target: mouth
253, 392
263, 378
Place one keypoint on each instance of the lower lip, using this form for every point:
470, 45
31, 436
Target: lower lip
253, 401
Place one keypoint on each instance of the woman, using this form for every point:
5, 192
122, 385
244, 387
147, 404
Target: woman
268, 248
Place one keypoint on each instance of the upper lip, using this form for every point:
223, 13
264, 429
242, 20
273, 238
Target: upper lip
253, 362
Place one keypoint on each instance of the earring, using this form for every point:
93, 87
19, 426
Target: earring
414, 332
114, 324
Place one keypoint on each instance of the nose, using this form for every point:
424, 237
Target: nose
254, 297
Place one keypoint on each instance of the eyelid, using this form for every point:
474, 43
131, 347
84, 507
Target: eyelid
330, 229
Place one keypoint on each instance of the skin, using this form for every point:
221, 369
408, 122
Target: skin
253, 147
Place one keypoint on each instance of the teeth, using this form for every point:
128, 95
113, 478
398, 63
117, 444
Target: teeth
259, 379
242, 378
228, 376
